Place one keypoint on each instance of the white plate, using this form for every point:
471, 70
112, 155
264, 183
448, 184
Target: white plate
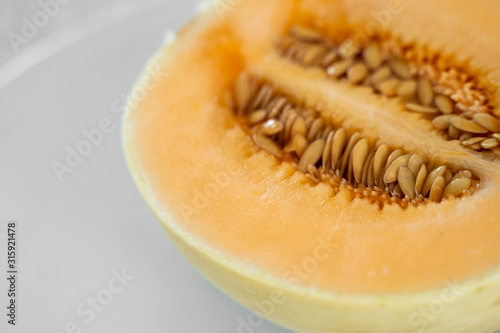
73, 234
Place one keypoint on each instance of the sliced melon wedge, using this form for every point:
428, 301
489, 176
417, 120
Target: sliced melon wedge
309, 244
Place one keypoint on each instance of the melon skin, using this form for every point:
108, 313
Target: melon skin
470, 305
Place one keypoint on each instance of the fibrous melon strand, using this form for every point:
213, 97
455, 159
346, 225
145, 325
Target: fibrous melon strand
329, 153
458, 104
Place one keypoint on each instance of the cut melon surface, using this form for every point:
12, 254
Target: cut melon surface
306, 255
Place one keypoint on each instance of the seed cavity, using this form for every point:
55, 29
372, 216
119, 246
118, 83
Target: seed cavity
424, 83
328, 152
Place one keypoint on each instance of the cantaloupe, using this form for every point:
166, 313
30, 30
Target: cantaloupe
290, 221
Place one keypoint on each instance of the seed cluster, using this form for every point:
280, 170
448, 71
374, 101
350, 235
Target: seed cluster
332, 154
389, 73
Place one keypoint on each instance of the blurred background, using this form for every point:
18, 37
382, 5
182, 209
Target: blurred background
91, 257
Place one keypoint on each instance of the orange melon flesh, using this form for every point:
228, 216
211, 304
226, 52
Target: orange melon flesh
203, 177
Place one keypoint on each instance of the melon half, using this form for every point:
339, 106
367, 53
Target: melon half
264, 226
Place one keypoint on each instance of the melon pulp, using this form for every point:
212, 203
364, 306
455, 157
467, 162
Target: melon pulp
295, 252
